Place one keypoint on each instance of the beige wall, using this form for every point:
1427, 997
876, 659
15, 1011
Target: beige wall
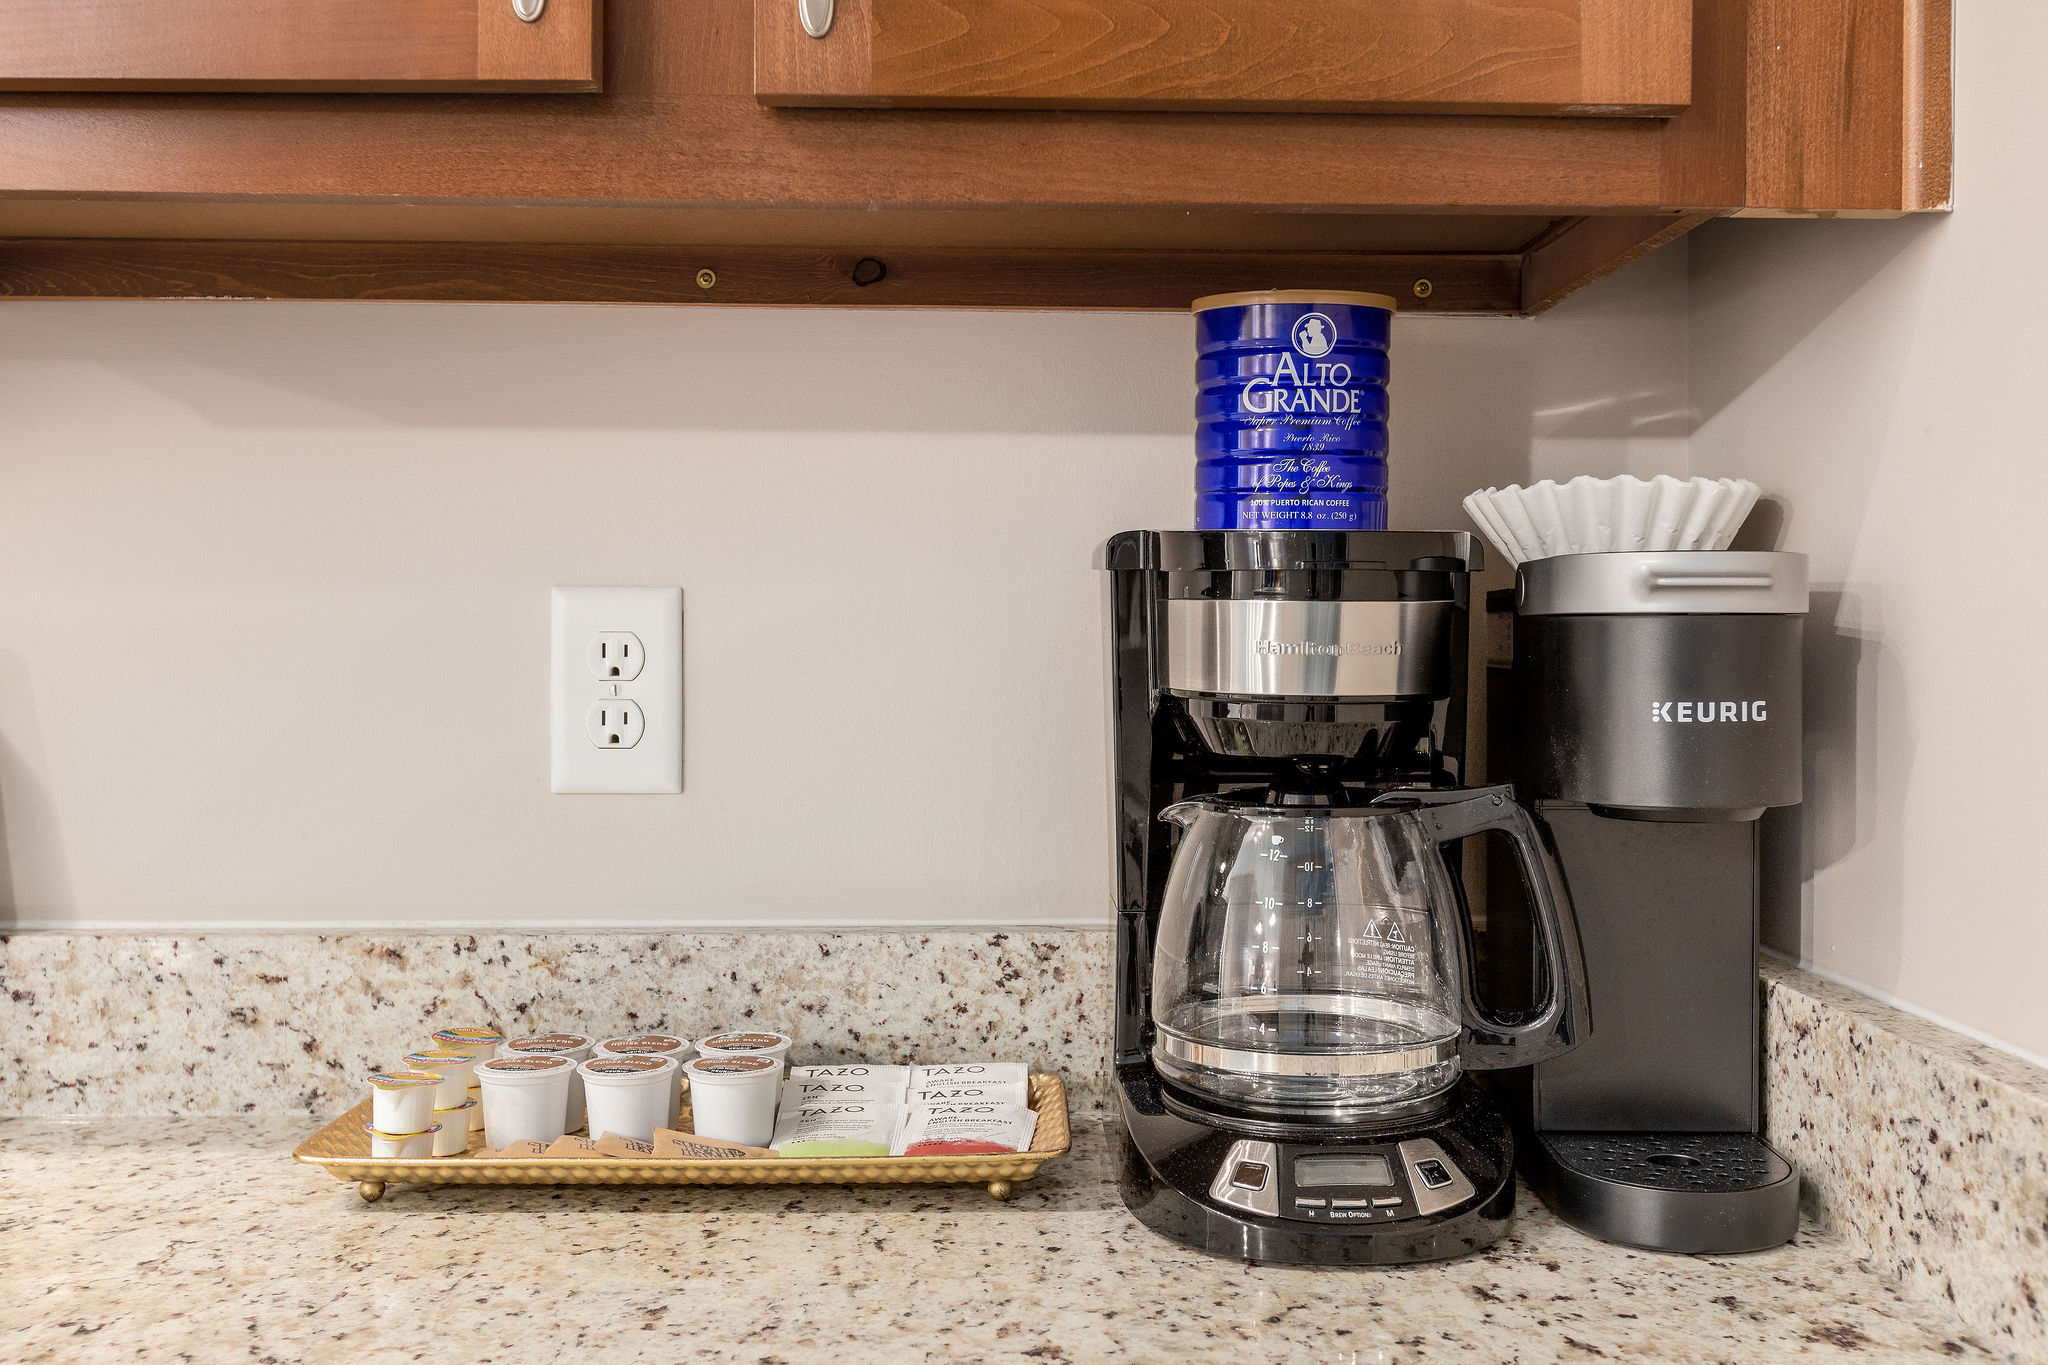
1884, 381
273, 591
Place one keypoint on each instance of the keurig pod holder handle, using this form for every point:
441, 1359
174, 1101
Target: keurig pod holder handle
1488, 1042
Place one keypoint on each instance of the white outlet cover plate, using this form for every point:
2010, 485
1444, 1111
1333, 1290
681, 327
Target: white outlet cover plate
655, 764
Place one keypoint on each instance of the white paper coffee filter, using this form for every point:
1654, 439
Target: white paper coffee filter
1589, 515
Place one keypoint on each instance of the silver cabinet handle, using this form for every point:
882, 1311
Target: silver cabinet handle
816, 16
529, 10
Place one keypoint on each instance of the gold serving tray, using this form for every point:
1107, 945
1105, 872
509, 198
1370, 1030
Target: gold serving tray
342, 1149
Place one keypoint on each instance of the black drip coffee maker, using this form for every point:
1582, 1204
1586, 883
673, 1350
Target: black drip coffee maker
1295, 980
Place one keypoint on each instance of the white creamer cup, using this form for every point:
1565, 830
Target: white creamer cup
732, 1097
452, 1137
482, 1042
575, 1046
628, 1096
402, 1101
652, 1045
401, 1146
525, 1098
476, 1109
749, 1042
457, 1071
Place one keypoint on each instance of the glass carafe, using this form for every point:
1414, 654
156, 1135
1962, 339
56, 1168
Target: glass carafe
1314, 963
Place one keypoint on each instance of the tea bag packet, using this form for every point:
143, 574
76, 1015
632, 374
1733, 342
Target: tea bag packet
836, 1130
873, 1073
804, 1090
1006, 1092
970, 1073
966, 1130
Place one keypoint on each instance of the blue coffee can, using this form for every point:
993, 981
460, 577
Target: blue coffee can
1291, 410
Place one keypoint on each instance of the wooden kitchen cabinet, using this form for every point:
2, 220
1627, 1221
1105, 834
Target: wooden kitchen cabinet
1576, 57
358, 45
681, 183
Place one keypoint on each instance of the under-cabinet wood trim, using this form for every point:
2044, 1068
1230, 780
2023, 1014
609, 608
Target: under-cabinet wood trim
787, 276
1578, 252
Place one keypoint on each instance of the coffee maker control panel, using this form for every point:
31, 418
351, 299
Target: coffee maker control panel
1340, 1184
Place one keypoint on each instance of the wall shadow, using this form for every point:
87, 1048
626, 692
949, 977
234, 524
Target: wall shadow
32, 860
1853, 807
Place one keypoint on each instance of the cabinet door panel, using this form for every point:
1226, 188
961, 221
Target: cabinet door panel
297, 45
1628, 57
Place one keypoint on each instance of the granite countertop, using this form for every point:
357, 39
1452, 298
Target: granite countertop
154, 1239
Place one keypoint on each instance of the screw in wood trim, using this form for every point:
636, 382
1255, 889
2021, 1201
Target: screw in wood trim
528, 10
815, 16
706, 278
1423, 289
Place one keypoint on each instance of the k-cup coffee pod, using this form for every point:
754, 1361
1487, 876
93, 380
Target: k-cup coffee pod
799, 1090
966, 1130
476, 1109
401, 1146
457, 1071
653, 1045
483, 1042
970, 1073
451, 1129
526, 1098
752, 1042
628, 1096
402, 1101
836, 1130
732, 1097
575, 1046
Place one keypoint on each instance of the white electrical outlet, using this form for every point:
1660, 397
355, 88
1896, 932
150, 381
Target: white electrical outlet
615, 724
623, 731
616, 656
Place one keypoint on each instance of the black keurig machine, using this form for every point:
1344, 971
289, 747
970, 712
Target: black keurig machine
1653, 713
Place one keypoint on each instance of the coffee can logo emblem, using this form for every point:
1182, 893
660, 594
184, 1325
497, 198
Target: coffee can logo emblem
1314, 335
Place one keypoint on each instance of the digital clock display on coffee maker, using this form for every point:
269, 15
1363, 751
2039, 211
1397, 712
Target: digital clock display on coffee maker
1317, 1172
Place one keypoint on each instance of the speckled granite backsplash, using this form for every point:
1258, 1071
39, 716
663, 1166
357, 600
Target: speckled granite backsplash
1929, 1150
276, 1022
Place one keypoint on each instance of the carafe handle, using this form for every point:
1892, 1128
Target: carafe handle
1489, 1042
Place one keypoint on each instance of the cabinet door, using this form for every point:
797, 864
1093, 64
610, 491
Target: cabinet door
1623, 57
480, 45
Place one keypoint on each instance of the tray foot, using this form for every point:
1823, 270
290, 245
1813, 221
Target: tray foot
1000, 1189
371, 1191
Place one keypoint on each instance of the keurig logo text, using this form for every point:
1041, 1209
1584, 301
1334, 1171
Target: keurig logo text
1708, 712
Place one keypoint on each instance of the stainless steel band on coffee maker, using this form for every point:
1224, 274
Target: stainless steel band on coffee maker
1307, 649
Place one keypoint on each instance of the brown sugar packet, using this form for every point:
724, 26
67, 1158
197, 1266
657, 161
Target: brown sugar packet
574, 1148
514, 1150
669, 1145
630, 1148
